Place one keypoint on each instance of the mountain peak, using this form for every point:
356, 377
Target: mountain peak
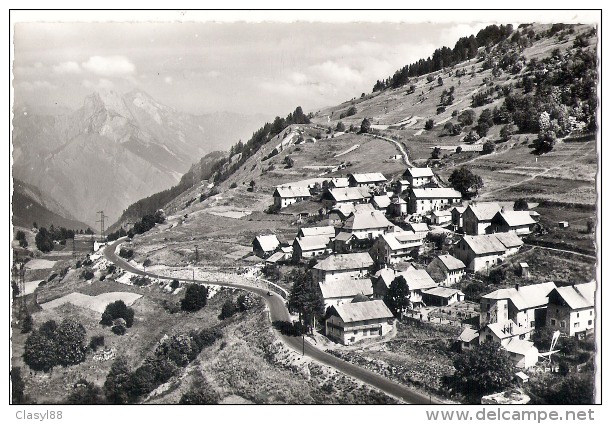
108, 100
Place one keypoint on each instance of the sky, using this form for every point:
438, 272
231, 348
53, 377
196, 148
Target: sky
258, 62
268, 68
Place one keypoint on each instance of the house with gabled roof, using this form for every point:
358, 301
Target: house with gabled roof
525, 306
570, 309
367, 225
417, 177
441, 296
311, 246
348, 195
348, 323
339, 182
502, 332
423, 200
519, 222
452, 269
381, 203
327, 230
522, 353
479, 253
418, 280
264, 245
441, 217
343, 291
420, 228
397, 207
478, 217
342, 267
457, 221
468, 339
395, 247
285, 196
371, 180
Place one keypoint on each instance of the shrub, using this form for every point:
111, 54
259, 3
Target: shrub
175, 284
87, 274
488, 147
429, 125
96, 342
195, 298
200, 394
228, 309
115, 310
126, 253
233, 185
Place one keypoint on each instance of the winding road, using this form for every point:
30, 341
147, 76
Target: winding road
279, 312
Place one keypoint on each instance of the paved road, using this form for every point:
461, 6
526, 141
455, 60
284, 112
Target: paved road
279, 312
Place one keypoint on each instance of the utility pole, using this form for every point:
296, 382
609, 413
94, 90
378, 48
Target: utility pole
196, 254
101, 221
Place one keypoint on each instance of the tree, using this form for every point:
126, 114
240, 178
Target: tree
471, 137
365, 126
575, 389
351, 111
436, 153
520, 205
70, 344
28, 323
507, 131
117, 384
397, 297
44, 240
467, 117
115, 310
488, 147
465, 181
20, 237
85, 393
289, 161
228, 309
483, 370
40, 352
591, 226
458, 149
195, 298
440, 81
304, 297
340, 127
252, 185
429, 124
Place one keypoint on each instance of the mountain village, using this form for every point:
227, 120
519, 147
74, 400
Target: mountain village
432, 241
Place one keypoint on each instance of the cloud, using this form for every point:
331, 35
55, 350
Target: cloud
168, 80
109, 66
67, 68
101, 84
36, 85
213, 74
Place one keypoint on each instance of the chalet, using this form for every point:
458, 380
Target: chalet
441, 296
401, 186
417, 281
264, 246
452, 269
284, 196
417, 177
397, 207
479, 253
273, 261
441, 217
423, 200
468, 339
342, 267
339, 183
348, 242
371, 180
457, 221
502, 332
310, 246
395, 247
420, 228
523, 353
317, 231
348, 195
571, 309
367, 225
381, 203
350, 322
519, 222
343, 291
478, 217
524, 306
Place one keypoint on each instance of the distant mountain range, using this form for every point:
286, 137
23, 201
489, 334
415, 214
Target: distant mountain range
115, 149
31, 206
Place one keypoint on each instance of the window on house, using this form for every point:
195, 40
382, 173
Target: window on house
591, 312
488, 337
576, 325
532, 323
553, 322
589, 322
364, 332
577, 314
562, 324
355, 331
